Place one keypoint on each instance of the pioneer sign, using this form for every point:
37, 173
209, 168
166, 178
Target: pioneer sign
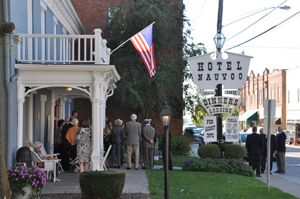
210, 128
220, 101
231, 72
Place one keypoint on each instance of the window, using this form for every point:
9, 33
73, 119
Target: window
247, 99
43, 30
278, 94
251, 99
266, 93
288, 96
255, 98
271, 97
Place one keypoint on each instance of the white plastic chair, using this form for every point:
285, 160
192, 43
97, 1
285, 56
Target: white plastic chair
102, 160
49, 165
44, 153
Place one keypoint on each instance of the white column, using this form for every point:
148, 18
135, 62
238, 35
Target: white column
60, 108
42, 118
21, 100
30, 118
102, 126
97, 46
52, 122
96, 127
20, 121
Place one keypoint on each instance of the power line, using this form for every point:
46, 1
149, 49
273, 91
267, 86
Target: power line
265, 31
256, 21
195, 7
268, 46
199, 14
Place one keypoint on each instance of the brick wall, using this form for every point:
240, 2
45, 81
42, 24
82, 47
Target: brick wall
83, 106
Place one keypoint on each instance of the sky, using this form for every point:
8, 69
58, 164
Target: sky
276, 49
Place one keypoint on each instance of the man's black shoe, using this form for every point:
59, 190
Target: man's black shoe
128, 168
277, 171
144, 168
136, 168
258, 175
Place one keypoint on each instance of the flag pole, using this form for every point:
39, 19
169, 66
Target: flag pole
130, 38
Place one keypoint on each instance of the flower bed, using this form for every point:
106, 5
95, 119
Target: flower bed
21, 176
231, 166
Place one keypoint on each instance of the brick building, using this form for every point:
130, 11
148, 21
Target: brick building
256, 90
94, 14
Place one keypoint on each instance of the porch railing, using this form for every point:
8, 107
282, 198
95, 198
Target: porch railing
46, 48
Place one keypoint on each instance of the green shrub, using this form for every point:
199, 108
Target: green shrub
230, 166
181, 145
102, 184
209, 151
234, 151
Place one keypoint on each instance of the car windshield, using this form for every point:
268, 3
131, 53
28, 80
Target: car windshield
244, 137
197, 131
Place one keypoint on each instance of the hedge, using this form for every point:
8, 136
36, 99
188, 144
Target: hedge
209, 151
234, 151
102, 184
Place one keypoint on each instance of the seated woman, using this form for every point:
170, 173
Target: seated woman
37, 148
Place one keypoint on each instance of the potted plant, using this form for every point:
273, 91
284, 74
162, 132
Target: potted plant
26, 182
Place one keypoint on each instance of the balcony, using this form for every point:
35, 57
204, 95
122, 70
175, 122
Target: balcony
63, 49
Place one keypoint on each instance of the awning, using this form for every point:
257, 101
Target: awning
249, 115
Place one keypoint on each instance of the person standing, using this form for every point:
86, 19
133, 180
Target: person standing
170, 150
65, 144
133, 133
84, 145
58, 138
280, 156
117, 132
148, 135
74, 115
106, 132
70, 137
273, 150
264, 151
254, 145
155, 138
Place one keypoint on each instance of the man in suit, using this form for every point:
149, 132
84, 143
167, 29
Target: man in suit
155, 137
148, 144
65, 144
254, 144
133, 133
273, 149
280, 156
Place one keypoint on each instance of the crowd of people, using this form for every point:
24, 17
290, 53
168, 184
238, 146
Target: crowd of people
257, 144
73, 140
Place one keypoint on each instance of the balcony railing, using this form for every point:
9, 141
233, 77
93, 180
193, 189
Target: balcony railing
69, 49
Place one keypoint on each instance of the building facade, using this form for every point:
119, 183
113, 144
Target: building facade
88, 11
256, 90
52, 55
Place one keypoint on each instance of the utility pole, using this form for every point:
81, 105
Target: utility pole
219, 90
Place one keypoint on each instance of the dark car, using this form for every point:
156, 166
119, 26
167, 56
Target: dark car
201, 139
196, 133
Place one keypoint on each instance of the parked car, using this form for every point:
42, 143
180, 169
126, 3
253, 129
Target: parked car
196, 134
201, 139
258, 129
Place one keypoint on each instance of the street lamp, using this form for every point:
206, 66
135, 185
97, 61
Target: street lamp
219, 40
166, 116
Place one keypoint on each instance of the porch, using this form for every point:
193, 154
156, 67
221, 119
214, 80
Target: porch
68, 67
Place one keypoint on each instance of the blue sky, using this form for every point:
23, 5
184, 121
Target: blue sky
277, 49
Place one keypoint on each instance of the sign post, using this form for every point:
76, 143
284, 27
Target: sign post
269, 109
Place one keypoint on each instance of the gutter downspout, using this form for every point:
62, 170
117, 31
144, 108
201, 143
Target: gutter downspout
10, 84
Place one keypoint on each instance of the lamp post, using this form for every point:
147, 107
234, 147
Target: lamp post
166, 116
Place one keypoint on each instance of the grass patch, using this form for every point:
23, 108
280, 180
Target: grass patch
189, 184
177, 160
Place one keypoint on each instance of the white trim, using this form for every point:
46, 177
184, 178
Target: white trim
43, 5
54, 19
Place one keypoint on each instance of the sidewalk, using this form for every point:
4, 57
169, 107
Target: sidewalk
282, 184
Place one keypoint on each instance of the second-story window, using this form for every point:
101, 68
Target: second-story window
278, 94
255, 98
266, 93
271, 97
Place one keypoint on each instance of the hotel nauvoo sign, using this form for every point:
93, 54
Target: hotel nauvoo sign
207, 73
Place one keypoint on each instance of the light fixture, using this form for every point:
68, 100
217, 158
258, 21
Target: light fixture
68, 89
219, 40
166, 115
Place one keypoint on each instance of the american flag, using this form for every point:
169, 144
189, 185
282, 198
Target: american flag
144, 45
243, 52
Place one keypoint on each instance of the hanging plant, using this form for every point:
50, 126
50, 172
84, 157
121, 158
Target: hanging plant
7, 29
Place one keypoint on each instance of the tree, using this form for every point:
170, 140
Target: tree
136, 90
